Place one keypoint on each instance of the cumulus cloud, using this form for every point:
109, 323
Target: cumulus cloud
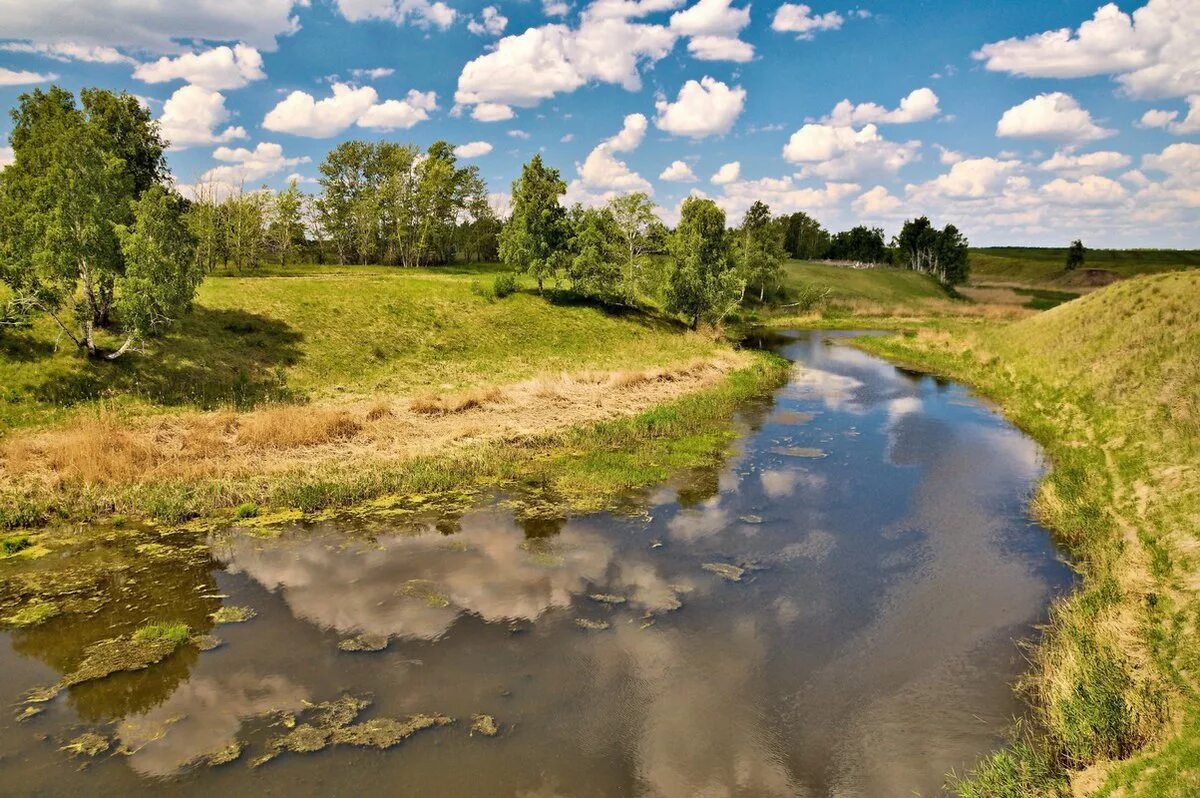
421, 13
372, 74
783, 195
149, 24
490, 23
473, 149
70, 51
541, 62
1087, 190
678, 172
837, 153
703, 108
243, 165
23, 77
919, 105
947, 156
491, 112
973, 178
1088, 163
799, 19
878, 201
1051, 116
192, 116
720, 48
1150, 52
7, 156
602, 174
218, 68
1166, 119
555, 8
302, 115
727, 174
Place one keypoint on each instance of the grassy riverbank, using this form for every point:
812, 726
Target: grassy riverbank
1108, 384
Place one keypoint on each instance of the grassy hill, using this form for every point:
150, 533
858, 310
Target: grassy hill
316, 332
884, 286
1044, 265
1110, 385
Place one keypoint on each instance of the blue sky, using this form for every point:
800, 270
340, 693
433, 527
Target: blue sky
1023, 123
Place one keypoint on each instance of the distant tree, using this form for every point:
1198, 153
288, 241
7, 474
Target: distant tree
285, 228
534, 239
206, 222
245, 216
805, 238
942, 253
758, 249
1075, 255
596, 254
703, 284
478, 236
637, 229
68, 202
860, 244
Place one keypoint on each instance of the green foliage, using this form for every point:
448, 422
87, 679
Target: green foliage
15, 544
703, 284
285, 231
504, 285
1075, 254
594, 267
638, 233
859, 244
804, 237
1026, 767
758, 249
246, 510
534, 240
175, 632
942, 253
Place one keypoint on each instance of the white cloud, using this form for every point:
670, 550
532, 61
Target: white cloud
519, 134
877, 202
491, 112
421, 13
1152, 53
218, 68
678, 172
192, 115
544, 61
555, 8
473, 149
837, 153
704, 108
1089, 163
372, 74
490, 23
1050, 116
972, 178
1157, 118
799, 19
1180, 162
302, 115
720, 48
7, 156
629, 9
710, 18
242, 165
567, 138
12, 77
149, 24
919, 105
70, 51
783, 195
727, 173
602, 175
1166, 119
948, 157
1088, 190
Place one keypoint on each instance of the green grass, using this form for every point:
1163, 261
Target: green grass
1108, 385
314, 332
885, 286
1042, 265
171, 631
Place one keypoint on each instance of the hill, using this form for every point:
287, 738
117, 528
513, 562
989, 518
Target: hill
1045, 265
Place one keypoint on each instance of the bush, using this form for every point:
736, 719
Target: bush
14, 545
247, 510
487, 292
504, 285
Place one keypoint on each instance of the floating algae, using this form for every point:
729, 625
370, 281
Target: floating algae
386, 732
485, 725
364, 642
607, 598
146, 647
233, 614
424, 590
87, 744
206, 642
726, 571
33, 613
28, 712
798, 451
588, 623
226, 755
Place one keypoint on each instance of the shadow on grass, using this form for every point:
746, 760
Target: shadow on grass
647, 317
216, 358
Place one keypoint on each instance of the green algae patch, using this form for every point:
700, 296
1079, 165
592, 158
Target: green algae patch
233, 614
169, 631
206, 642
386, 732
87, 744
33, 613
591, 625
229, 753
607, 598
424, 590
731, 573
364, 643
485, 725
114, 656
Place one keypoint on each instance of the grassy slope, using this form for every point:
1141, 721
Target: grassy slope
317, 332
1036, 265
1108, 384
884, 286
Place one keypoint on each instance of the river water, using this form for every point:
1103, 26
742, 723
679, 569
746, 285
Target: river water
834, 610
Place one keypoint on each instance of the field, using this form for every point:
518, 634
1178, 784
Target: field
1045, 266
1107, 384
884, 286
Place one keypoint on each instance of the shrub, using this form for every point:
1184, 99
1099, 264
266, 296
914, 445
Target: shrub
247, 510
504, 285
17, 543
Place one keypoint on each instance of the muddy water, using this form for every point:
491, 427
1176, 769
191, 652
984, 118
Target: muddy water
832, 611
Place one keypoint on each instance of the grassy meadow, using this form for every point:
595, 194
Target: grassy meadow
1046, 265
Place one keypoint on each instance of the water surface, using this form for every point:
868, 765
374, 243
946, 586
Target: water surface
834, 610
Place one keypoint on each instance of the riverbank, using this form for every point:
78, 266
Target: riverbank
1108, 385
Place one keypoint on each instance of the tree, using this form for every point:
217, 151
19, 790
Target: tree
286, 228
636, 227
859, 244
206, 222
703, 284
535, 237
759, 248
1075, 255
942, 253
595, 264
244, 214
805, 238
